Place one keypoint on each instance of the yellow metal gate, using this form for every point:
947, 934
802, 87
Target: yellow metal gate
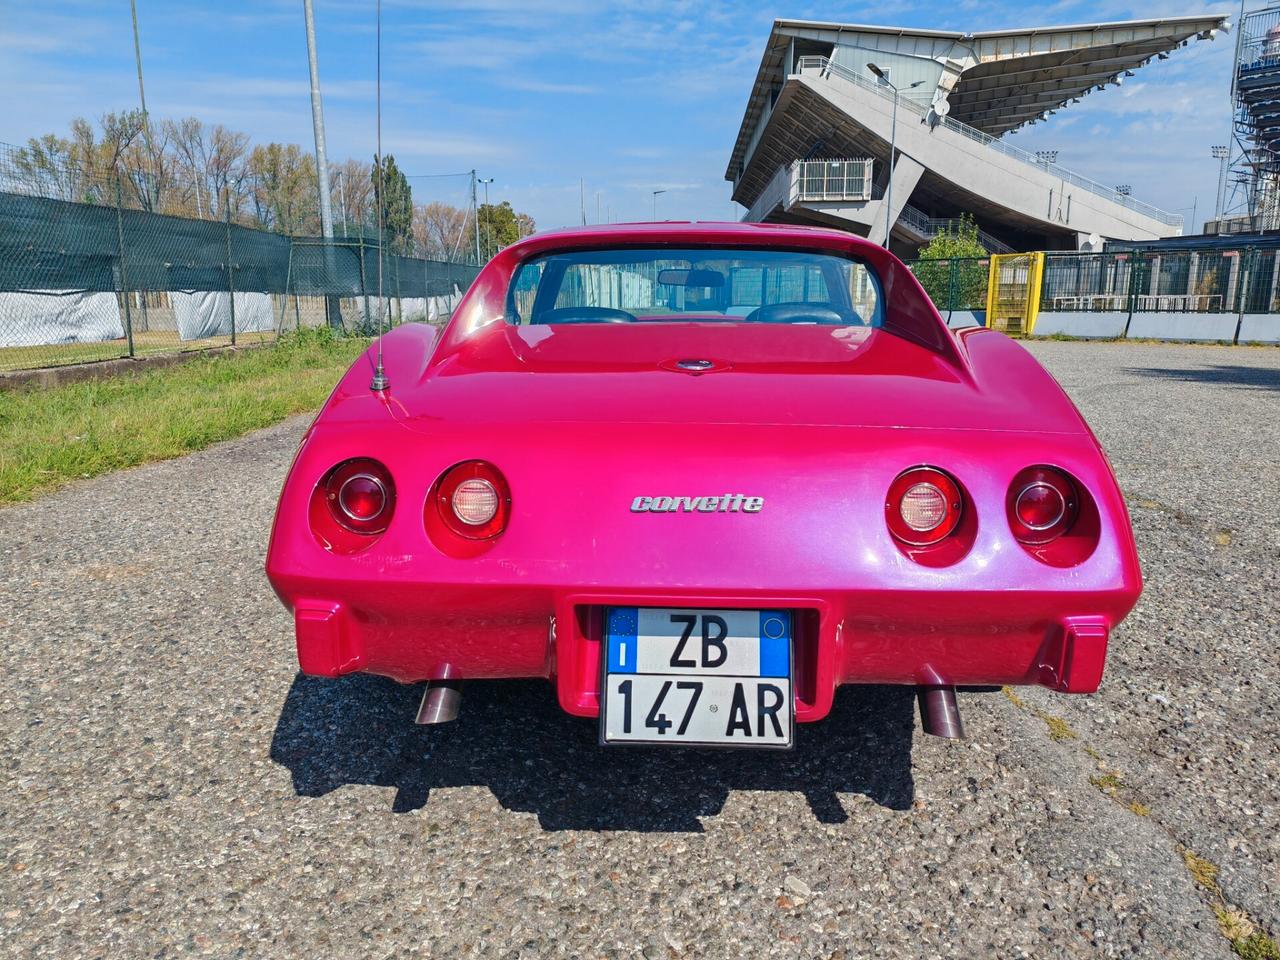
1013, 292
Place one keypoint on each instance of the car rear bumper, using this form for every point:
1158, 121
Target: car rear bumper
483, 632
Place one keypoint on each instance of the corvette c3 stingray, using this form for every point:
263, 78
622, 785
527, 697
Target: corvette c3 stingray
698, 476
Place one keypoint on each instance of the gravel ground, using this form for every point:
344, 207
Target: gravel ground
172, 787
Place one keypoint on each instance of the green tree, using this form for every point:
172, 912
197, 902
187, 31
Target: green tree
952, 267
501, 226
391, 192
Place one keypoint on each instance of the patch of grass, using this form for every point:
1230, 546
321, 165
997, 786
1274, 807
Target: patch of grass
1257, 946
1233, 923
51, 437
1059, 729
1108, 783
1013, 697
1139, 809
1204, 872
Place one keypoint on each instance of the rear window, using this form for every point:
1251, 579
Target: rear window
699, 284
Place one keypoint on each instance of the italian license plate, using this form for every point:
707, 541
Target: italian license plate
697, 677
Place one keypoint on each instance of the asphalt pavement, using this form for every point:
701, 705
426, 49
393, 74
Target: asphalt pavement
172, 786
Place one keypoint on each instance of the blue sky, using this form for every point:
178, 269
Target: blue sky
628, 96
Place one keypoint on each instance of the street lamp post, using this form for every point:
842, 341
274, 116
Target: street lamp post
883, 79
655, 204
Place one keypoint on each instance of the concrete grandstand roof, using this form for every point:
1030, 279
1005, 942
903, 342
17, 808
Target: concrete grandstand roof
995, 80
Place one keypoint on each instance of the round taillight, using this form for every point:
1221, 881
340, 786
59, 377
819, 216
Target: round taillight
923, 506
473, 500
361, 496
1043, 505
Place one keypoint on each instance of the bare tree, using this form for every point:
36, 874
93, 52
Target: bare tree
439, 229
47, 167
211, 162
352, 185
283, 188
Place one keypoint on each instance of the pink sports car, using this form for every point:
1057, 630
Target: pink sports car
698, 476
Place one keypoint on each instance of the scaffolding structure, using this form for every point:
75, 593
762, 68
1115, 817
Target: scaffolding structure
1253, 204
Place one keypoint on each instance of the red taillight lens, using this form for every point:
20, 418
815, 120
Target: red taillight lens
360, 496
1042, 505
473, 500
923, 506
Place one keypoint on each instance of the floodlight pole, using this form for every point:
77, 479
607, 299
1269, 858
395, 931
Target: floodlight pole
655, 204
1222, 154
475, 210
883, 78
332, 307
488, 224
317, 122
142, 98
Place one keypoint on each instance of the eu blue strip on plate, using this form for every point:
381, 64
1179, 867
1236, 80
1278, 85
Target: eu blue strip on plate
775, 643
621, 633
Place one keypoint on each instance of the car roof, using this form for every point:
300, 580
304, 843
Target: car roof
694, 232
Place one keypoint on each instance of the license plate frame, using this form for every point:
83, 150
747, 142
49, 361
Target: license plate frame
787, 742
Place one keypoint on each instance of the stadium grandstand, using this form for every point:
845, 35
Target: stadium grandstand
830, 98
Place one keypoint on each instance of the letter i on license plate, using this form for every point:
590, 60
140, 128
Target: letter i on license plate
697, 677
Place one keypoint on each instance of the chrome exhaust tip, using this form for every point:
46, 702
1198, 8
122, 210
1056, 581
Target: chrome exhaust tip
440, 702
939, 712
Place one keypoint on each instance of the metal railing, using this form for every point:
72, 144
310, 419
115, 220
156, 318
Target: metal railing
828, 67
832, 179
929, 227
813, 180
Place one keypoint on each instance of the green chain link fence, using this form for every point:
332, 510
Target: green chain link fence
96, 278
1238, 280
954, 284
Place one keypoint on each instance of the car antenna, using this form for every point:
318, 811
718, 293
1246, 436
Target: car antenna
380, 382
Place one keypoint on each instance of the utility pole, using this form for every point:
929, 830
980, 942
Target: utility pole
332, 307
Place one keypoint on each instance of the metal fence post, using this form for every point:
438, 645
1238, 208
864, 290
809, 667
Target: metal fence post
1246, 276
364, 287
399, 301
951, 289
288, 279
231, 281
123, 271
1135, 261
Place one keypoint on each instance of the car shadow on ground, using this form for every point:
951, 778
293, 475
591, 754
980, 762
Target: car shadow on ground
1257, 378
512, 737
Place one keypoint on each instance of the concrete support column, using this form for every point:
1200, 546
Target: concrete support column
904, 176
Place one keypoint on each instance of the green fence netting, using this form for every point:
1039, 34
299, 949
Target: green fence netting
92, 281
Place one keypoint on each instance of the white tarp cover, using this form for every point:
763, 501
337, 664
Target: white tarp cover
412, 308
40, 317
208, 313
